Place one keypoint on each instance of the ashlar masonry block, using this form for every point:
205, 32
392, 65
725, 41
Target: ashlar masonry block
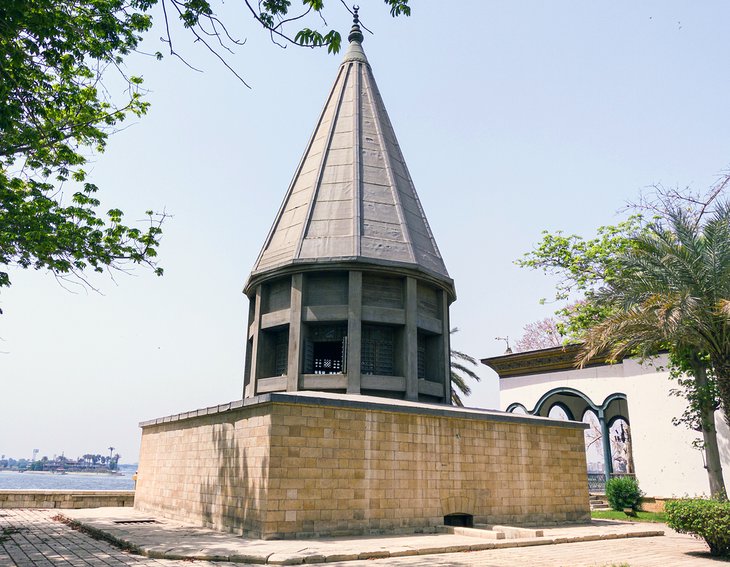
359, 465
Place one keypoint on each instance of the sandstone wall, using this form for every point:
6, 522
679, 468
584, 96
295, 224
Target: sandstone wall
211, 470
65, 498
297, 465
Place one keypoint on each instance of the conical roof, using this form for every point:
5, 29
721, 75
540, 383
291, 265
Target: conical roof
352, 198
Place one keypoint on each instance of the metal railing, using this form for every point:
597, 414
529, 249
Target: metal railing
597, 481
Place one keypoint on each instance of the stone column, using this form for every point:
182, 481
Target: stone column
446, 342
606, 438
411, 340
255, 334
248, 363
354, 332
294, 354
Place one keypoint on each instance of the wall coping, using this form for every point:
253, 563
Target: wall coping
48, 491
360, 402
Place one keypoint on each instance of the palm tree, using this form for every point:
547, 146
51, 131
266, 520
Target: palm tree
459, 374
673, 293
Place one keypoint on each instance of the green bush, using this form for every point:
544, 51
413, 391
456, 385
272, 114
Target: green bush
704, 519
623, 492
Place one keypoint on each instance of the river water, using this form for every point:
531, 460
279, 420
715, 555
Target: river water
10, 480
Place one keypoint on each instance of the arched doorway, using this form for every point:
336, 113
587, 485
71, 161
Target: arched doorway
595, 459
620, 437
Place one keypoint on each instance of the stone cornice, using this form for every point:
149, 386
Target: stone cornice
353, 263
553, 359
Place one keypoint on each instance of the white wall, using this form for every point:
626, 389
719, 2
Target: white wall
665, 461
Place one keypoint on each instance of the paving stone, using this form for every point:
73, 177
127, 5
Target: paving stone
285, 559
315, 558
251, 559
36, 540
338, 557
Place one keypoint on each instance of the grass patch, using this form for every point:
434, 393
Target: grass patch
658, 517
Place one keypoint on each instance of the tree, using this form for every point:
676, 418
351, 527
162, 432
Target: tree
53, 113
57, 111
273, 15
540, 334
675, 293
460, 373
582, 267
586, 266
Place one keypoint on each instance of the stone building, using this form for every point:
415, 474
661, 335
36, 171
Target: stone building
350, 306
629, 409
350, 293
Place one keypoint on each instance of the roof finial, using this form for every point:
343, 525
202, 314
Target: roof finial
355, 31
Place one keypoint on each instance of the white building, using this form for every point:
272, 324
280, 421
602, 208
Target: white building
630, 408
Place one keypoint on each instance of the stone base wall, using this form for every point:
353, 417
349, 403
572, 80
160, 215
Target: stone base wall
651, 504
297, 465
66, 498
209, 469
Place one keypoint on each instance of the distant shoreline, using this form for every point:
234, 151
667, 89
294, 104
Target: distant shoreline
61, 473
47, 480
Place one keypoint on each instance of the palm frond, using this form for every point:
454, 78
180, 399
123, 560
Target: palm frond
456, 367
460, 372
674, 291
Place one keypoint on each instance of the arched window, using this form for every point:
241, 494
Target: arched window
559, 411
594, 443
620, 434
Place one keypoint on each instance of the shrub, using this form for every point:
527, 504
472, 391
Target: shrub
704, 519
623, 492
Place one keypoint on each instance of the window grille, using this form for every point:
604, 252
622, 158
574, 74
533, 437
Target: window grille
281, 352
327, 358
377, 355
325, 349
421, 357
308, 357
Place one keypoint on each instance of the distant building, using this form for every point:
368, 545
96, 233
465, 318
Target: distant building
629, 408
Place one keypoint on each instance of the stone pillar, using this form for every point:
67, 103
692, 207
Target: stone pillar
249, 340
410, 344
446, 342
294, 356
255, 334
354, 332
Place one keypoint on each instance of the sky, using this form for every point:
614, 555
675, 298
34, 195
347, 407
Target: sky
513, 117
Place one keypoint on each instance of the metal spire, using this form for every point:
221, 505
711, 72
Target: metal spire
355, 31
352, 198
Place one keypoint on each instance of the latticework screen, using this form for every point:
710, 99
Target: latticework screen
378, 349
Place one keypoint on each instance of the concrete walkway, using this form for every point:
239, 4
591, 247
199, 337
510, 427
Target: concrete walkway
34, 537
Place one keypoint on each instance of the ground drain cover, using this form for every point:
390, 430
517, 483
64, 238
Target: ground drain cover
126, 522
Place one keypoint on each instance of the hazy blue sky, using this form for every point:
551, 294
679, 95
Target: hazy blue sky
513, 117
